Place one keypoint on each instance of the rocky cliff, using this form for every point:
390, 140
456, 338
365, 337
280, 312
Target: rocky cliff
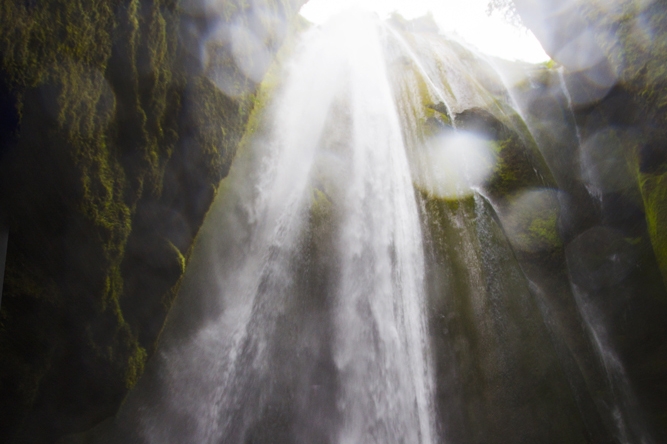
119, 118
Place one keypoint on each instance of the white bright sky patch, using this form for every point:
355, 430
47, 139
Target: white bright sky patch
465, 18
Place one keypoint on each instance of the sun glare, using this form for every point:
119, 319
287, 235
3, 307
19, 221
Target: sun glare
467, 20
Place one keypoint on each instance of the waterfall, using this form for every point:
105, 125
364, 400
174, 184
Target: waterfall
385, 263
380, 347
275, 338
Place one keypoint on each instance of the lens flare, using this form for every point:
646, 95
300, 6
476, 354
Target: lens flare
600, 257
532, 218
453, 164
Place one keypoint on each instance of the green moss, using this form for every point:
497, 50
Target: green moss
111, 128
117, 141
545, 231
519, 164
135, 366
654, 192
320, 206
36, 38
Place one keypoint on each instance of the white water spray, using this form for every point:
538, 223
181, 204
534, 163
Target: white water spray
381, 349
271, 356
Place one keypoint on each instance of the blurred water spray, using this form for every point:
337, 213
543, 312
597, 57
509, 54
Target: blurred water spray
531, 220
234, 44
251, 364
453, 164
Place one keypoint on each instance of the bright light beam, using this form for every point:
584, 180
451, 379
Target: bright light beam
467, 20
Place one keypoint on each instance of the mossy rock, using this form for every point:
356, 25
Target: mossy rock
115, 143
518, 165
654, 192
488, 335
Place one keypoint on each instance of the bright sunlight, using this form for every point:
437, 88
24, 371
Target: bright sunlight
466, 20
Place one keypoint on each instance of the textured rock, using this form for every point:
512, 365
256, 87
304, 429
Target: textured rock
114, 138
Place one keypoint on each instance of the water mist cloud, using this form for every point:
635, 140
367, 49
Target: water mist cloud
532, 218
603, 163
233, 47
452, 164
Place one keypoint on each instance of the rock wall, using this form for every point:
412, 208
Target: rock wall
118, 121
612, 57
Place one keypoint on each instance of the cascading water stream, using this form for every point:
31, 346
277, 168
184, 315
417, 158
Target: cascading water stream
382, 349
566, 93
426, 76
258, 349
593, 190
624, 409
302, 317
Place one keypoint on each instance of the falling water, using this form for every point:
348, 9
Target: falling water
592, 189
381, 350
273, 339
302, 317
621, 408
566, 93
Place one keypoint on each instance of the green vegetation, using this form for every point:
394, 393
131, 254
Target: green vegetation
544, 230
654, 192
519, 164
119, 150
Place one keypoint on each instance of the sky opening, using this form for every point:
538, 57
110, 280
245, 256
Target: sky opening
468, 20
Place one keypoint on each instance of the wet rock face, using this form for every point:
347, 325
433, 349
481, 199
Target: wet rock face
113, 140
618, 255
616, 82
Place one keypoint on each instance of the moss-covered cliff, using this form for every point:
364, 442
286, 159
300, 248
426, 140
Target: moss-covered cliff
614, 60
115, 134
119, 118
